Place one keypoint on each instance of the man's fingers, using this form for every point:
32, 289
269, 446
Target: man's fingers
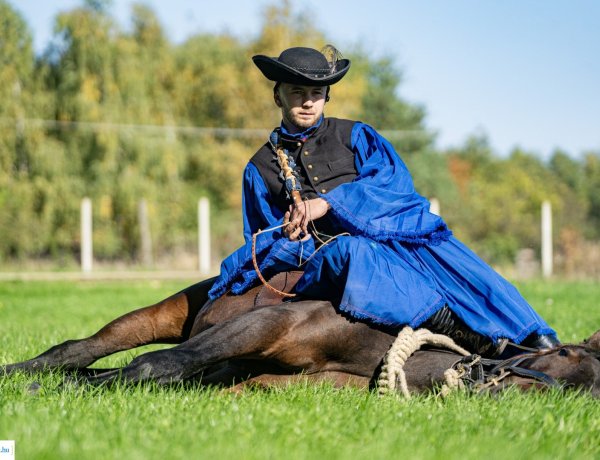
295, 234
289, 229
292, 227
298, 217
304, 225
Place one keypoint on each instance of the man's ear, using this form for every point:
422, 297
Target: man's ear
276, 97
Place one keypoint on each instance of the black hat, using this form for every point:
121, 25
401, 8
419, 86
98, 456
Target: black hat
303, 66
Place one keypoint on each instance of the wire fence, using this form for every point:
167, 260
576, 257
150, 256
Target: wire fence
196, 131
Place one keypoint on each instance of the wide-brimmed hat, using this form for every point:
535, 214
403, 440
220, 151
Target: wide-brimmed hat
302, 66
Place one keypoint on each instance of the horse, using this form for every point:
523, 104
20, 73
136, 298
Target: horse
257, 339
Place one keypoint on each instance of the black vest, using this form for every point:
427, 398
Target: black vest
323, 161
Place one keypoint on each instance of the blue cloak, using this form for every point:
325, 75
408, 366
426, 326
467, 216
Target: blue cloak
400, 263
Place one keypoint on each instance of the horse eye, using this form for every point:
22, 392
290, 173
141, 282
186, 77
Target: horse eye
563, 352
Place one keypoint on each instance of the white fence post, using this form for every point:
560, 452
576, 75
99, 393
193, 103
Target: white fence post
86, 235
546, 239
434, 206
204, 235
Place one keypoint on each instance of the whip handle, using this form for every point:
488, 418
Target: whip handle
296, 198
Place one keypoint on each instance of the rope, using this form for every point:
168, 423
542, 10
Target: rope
408, 341
301, 264
452, 380
255, 263
453, 377
283, 164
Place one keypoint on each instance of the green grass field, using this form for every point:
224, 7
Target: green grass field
150, 422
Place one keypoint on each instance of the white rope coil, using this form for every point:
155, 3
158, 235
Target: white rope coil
392, 377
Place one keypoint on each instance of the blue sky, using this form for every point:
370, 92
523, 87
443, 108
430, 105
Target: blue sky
524, 72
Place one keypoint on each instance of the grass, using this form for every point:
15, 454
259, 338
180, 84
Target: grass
151, 422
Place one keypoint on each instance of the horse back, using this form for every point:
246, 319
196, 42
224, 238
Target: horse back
230, 306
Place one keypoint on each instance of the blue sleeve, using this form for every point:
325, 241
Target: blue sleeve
381, 202
258, 213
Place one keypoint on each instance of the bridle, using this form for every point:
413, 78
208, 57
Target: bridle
479, 373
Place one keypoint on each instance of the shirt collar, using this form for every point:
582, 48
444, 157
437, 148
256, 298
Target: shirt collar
302, 135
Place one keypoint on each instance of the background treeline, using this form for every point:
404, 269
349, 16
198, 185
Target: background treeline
123, 114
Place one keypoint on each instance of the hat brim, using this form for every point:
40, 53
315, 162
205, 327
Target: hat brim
277, 71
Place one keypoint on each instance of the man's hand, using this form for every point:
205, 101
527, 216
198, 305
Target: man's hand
298, 217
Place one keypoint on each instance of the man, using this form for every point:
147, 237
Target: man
365, 238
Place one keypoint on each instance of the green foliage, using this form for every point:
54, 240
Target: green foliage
591, 173
120, 115
116, 98
499, 205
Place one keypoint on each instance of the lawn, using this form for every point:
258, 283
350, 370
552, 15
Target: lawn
150, 422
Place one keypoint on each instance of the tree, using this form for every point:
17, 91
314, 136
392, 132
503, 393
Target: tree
16, 86
591, 170
23, 171
120, 115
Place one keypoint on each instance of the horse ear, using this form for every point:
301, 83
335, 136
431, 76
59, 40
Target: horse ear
594, 341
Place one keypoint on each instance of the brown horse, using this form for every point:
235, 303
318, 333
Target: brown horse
258, 339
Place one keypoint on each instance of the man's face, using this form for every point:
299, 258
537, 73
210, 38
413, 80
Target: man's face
301, 106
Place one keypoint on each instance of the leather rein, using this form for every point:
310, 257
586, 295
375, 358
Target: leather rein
480, 373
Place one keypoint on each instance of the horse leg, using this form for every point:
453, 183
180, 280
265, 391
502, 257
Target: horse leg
302, 336
244, 336
267, 381
169, 321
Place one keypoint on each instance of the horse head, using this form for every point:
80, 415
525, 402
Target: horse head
574, 366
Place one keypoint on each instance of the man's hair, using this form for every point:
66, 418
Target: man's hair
276, 87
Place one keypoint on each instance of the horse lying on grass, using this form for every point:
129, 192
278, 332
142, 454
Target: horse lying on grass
257, 339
